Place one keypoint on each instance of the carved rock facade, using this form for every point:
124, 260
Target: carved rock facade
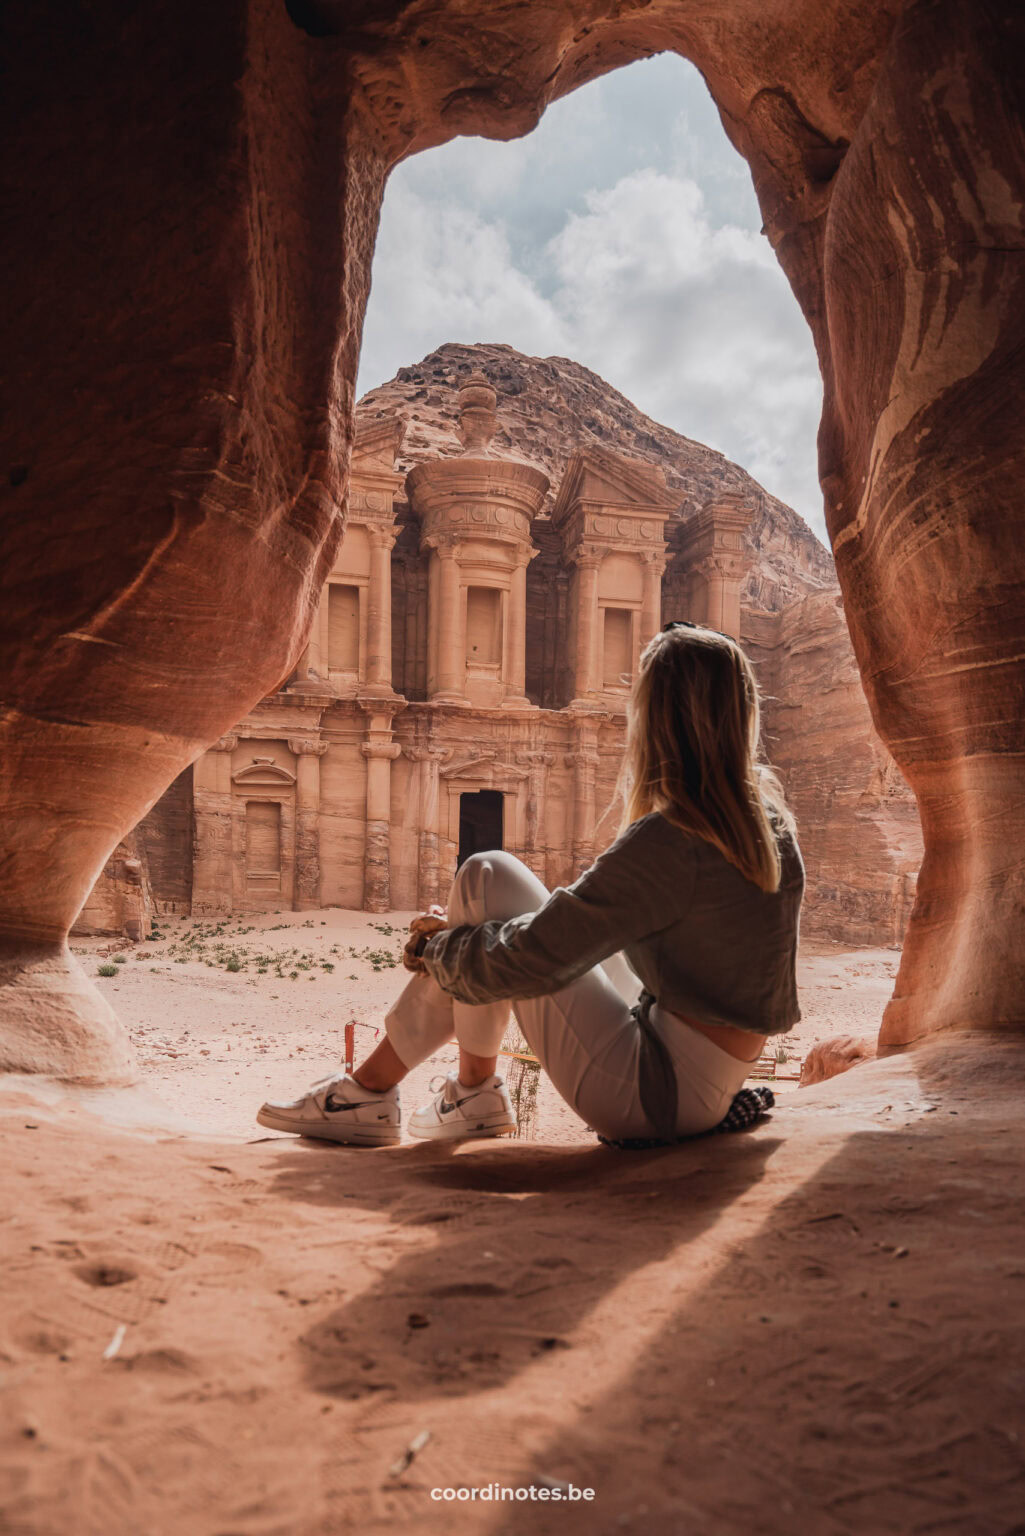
421, 729
472, 583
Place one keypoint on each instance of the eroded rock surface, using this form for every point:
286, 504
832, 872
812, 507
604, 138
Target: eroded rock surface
831, 1057
194, 199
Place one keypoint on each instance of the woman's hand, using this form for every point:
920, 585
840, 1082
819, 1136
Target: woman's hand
419, 929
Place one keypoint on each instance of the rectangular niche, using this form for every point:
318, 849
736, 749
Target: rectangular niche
484, 625
342, 628
617, 648
263, 845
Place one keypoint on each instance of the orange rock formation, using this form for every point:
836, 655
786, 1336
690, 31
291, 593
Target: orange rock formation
195, 199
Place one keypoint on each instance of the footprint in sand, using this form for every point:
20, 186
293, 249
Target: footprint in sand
160, 1362
40, 1338
216, 1261
100, 1273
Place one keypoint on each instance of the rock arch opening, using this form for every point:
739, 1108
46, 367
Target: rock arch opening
203, 426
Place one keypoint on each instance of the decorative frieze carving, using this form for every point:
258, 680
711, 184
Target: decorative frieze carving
306, 746
381, 750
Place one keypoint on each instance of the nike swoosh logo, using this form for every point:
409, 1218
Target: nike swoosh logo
447, 1108
335, 1105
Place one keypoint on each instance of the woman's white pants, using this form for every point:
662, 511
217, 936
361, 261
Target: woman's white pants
584, 1036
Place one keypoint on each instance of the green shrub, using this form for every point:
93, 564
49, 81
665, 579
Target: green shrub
120, 959
106, 969
233, 963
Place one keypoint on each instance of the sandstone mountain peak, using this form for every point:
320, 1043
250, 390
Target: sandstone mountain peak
549, 408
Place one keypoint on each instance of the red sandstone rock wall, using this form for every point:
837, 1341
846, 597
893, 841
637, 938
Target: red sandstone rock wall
120, 902
857, 818
194, 194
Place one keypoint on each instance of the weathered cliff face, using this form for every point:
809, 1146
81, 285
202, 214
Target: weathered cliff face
857, 817
196, 195
858, 821
150, 870
120, 902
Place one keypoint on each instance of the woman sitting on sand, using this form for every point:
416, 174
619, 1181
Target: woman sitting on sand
693, 911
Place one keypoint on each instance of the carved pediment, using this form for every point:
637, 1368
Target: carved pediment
608, 479
486, 769
377, 446
263, 773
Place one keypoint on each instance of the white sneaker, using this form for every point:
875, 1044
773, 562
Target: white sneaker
338, 1109
460, 1114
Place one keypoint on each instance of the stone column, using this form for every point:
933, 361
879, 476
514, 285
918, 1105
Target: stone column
430, 760
379, 661
516, 638
449, 623
585, 677
584, 762
722, 574
307, 751
651, 597
535, 852
380, 752
213, 861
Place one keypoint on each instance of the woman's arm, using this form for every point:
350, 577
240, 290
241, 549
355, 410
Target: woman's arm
638, 886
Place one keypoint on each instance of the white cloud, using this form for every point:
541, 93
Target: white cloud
624, 234
444, 273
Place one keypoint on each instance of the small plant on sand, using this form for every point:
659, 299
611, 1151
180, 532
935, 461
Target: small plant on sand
233, 963
380, 959
120, 959
106, 970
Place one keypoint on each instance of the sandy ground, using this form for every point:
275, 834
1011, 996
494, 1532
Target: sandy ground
813, 1327
214, 1043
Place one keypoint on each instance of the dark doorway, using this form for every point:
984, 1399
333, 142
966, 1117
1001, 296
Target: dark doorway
480, 822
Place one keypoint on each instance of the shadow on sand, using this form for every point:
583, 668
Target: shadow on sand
829, 1334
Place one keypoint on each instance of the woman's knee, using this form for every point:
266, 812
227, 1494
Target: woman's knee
495, 884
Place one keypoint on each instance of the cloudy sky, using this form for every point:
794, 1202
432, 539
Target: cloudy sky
622, 233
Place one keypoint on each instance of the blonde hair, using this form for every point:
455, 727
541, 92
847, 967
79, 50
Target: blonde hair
692, 749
